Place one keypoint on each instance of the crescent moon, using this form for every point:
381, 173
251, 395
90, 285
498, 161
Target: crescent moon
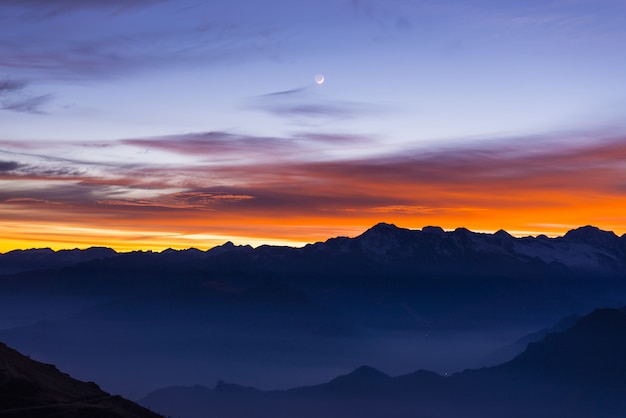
319, 78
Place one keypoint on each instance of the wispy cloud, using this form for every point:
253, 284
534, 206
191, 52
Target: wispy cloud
188, 200
211, 144
8, 166
13, 96
307, 103
224, 148
333, 109
573, 21
51, 7
531, 163
552, 179
290, 92
44, 40
32, 104
10, 85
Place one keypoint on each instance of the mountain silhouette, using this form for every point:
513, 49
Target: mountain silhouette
32, 389
362, 381
509, 351
580, 372
590, 353
392, 297
583, 250
24, 260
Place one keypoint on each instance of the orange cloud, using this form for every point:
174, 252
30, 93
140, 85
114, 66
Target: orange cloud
528, 187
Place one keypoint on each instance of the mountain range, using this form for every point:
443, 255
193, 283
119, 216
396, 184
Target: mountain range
580, 372
581, 251
394, 298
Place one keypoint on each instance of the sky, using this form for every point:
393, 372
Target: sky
153, 124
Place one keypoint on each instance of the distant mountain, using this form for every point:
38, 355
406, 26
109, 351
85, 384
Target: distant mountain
391, 297
486, 271
585, 250
363, 381
589, 354
580, 372
30, 389
511, 350
44, 258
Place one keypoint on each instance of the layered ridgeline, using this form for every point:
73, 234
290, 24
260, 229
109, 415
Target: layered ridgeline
583, 251
580, 372
30, 389
394, 298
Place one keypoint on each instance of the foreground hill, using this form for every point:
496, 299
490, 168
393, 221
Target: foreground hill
580, 372
31, 389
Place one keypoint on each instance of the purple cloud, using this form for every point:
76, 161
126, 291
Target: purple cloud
27, 104
10, 85
213, 145
42, 40
51, 7
303, 103
8, 166
414, 180
14, 97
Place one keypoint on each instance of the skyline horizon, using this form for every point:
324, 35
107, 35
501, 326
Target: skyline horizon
162, 123
297, 245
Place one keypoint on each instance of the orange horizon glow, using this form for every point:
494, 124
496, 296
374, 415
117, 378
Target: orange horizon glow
61, 237
196, 231
526, 189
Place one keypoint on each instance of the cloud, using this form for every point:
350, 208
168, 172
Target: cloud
289, 92
305, 103
14, 97
487, 175
43, 39
192, 199
52, 7
224, 148
531, 163
322, 110
7, 166
543, 161
333, 138
11, 85
31, 104
30, 194
210, 143
508, 182
15, 171
43, 158
388, 15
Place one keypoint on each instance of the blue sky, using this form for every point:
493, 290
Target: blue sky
408, 70
83, 83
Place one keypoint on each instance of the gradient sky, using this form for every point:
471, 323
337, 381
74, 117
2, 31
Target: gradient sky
154, 124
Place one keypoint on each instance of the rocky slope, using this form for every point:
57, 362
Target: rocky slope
32, 389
